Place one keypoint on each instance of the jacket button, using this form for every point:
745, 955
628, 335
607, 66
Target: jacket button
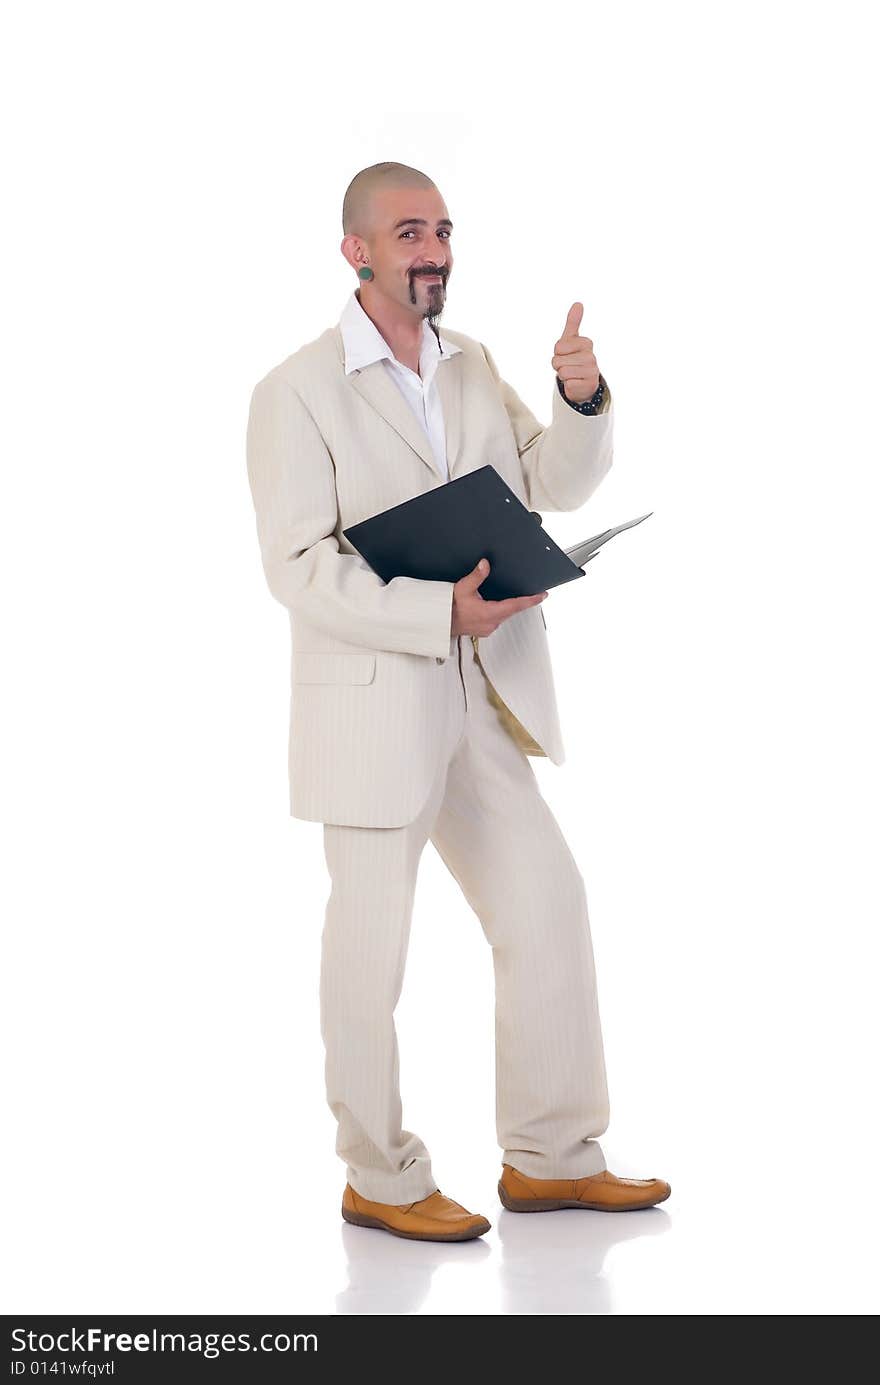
437, 659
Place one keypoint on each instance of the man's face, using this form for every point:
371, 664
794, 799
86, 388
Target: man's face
410, 248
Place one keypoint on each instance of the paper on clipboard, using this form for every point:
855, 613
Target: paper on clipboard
581, 553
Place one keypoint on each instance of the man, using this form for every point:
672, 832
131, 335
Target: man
414, 707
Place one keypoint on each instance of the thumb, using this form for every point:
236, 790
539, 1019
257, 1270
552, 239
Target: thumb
480, 572
573, 321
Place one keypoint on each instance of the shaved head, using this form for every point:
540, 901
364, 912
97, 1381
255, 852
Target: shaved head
357, 205
397, 239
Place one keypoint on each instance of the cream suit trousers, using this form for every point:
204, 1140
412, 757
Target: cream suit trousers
496, 834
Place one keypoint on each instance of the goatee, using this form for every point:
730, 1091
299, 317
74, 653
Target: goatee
436, 301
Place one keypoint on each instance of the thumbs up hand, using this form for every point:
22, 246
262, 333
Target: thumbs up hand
573, 359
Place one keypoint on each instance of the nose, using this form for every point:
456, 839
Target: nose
440, 264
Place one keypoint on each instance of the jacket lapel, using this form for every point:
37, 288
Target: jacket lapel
375, 385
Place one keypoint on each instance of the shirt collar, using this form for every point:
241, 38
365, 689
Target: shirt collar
365, 344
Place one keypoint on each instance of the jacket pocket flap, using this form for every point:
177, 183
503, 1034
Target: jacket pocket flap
312, 666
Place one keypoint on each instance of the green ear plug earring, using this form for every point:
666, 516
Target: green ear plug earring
365, 272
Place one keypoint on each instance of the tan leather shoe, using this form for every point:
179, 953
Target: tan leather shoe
599, 1192
434, 1218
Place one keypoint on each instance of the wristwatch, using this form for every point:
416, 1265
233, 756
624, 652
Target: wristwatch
589, 406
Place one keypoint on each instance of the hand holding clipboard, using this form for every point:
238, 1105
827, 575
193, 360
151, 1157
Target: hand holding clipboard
443, 533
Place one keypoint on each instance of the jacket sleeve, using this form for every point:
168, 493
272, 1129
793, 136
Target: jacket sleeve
293, 486
561, 465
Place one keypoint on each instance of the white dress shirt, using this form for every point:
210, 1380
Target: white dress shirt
364, 345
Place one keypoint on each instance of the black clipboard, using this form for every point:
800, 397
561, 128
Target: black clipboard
441, 535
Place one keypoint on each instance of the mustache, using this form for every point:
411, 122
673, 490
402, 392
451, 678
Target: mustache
430, 274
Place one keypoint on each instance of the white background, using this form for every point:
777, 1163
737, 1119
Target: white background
701, 178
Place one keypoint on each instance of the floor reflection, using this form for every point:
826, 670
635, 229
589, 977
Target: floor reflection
388, 1274
554, 1262
546, 1263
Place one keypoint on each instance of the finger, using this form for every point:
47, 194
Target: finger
576, 360
579, 372
567, 345
573, 321
478, 575
503, 609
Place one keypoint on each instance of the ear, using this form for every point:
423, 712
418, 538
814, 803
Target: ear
354, 250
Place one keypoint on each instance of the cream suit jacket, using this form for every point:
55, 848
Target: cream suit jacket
368, 693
